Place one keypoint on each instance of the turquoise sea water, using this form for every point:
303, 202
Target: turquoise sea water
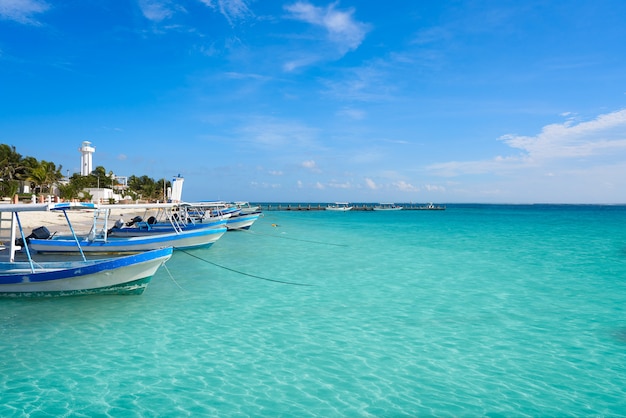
472, 311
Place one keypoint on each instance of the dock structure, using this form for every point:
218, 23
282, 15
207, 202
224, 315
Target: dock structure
355, 207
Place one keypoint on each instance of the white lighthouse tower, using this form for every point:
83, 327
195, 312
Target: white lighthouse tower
86, 163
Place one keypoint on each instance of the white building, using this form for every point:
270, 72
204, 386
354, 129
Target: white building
86, 159
175, 192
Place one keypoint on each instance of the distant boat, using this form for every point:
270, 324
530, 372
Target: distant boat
244, 217
431, 206
387, 206
23, 275
340, 207
247, 208
242, 221
238, 215
103, 239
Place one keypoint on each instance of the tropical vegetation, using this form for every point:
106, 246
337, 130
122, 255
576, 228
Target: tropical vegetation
45, 178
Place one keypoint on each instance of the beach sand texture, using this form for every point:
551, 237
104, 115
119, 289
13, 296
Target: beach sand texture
82, 221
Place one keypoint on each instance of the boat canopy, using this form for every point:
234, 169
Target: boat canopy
25, 207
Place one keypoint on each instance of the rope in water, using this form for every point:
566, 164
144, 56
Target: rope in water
171, 277
296, 239
243, 273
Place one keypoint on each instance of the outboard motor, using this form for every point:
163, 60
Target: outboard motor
134, 221
37, 233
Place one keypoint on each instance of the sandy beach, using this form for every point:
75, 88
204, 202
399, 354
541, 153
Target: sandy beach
82, 221
56, 222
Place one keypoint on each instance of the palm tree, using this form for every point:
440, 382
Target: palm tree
11, 163
9, 188
44, 175
68, 191
12, 170
38, 176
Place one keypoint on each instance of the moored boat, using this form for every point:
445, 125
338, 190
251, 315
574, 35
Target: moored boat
24, 275
102, 239
242, 221
340, 207
236, 217
247, 208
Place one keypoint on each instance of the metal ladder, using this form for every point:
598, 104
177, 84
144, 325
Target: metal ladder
99, 229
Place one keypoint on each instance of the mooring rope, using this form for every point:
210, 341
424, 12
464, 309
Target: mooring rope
172, 277
243, 273
296, 239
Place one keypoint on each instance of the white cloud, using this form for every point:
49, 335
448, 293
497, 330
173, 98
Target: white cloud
369, 83
245, 76
497, 164
275, 172
22, 11
337, 185
595, 142
404, 186
355, 114
159, 10
342, 29
304, 61
270, 133
319, 186
231, 9
369, 183
156, 10
265, 185
605, 134
434, 188
310, 164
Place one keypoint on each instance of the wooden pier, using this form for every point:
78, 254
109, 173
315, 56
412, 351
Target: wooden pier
356, 207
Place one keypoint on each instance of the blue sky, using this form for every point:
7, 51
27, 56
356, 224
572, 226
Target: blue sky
403, 101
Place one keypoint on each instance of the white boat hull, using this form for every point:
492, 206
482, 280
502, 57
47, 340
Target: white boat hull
124, 275
242, 221
202, 237
339, 207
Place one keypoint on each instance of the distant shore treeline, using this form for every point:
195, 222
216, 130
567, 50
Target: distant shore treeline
24, 174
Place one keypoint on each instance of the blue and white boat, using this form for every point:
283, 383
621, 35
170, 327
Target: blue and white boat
247, 208
22, 274
99, 239
242, 221
164, 218
340, 207
238, 215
